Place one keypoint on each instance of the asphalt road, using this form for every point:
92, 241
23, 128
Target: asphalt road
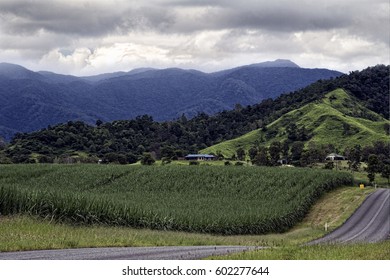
370, 222
127, 253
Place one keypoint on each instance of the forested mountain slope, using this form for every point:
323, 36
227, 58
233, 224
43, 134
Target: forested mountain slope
33, 100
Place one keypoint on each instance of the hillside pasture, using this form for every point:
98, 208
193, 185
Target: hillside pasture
325, 120
205, 199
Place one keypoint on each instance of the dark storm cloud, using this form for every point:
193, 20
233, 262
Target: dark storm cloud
32, 16
91, 18
196, 3
268, 15
365, 18
95, 18
284, 21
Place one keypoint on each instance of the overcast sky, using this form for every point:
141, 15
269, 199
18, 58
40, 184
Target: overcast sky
88, 37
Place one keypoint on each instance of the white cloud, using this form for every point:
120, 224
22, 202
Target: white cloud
102, 36
127, 56
55, 60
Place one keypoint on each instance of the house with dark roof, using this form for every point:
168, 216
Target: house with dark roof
200, 157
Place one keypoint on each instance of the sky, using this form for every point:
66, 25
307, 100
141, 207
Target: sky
98, 36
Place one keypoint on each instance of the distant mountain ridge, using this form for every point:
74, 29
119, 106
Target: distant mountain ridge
276, 63
33, 100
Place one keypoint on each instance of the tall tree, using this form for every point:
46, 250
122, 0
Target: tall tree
147, 159
274, 151
373, 166
354, 158
285, 149
291, 130
240, 154
385, 172
296, 151
262, 157
252, 153
2, 143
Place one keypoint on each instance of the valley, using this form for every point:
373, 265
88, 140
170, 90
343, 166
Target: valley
129, 177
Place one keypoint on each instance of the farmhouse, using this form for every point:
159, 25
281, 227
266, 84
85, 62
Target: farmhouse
200, 157
334, 156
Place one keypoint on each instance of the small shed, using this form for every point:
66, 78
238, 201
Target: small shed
334, 156
200, 157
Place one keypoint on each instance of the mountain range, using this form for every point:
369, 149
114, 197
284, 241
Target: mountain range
329, 115
33, 100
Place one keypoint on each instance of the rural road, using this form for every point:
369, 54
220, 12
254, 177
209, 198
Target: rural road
127, 253
370, 223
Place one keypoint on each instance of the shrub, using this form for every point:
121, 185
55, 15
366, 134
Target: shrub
147, 159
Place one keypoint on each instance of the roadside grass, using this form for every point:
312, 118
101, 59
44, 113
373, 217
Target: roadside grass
358, 251
21, 232
334, 209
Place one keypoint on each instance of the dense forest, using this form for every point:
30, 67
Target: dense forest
124, 141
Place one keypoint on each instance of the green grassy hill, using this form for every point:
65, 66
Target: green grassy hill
337, 119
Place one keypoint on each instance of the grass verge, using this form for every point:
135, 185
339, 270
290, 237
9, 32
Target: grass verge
376, 251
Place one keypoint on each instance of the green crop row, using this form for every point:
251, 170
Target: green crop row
212, 199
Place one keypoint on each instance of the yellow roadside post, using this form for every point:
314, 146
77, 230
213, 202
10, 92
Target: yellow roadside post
361, 186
